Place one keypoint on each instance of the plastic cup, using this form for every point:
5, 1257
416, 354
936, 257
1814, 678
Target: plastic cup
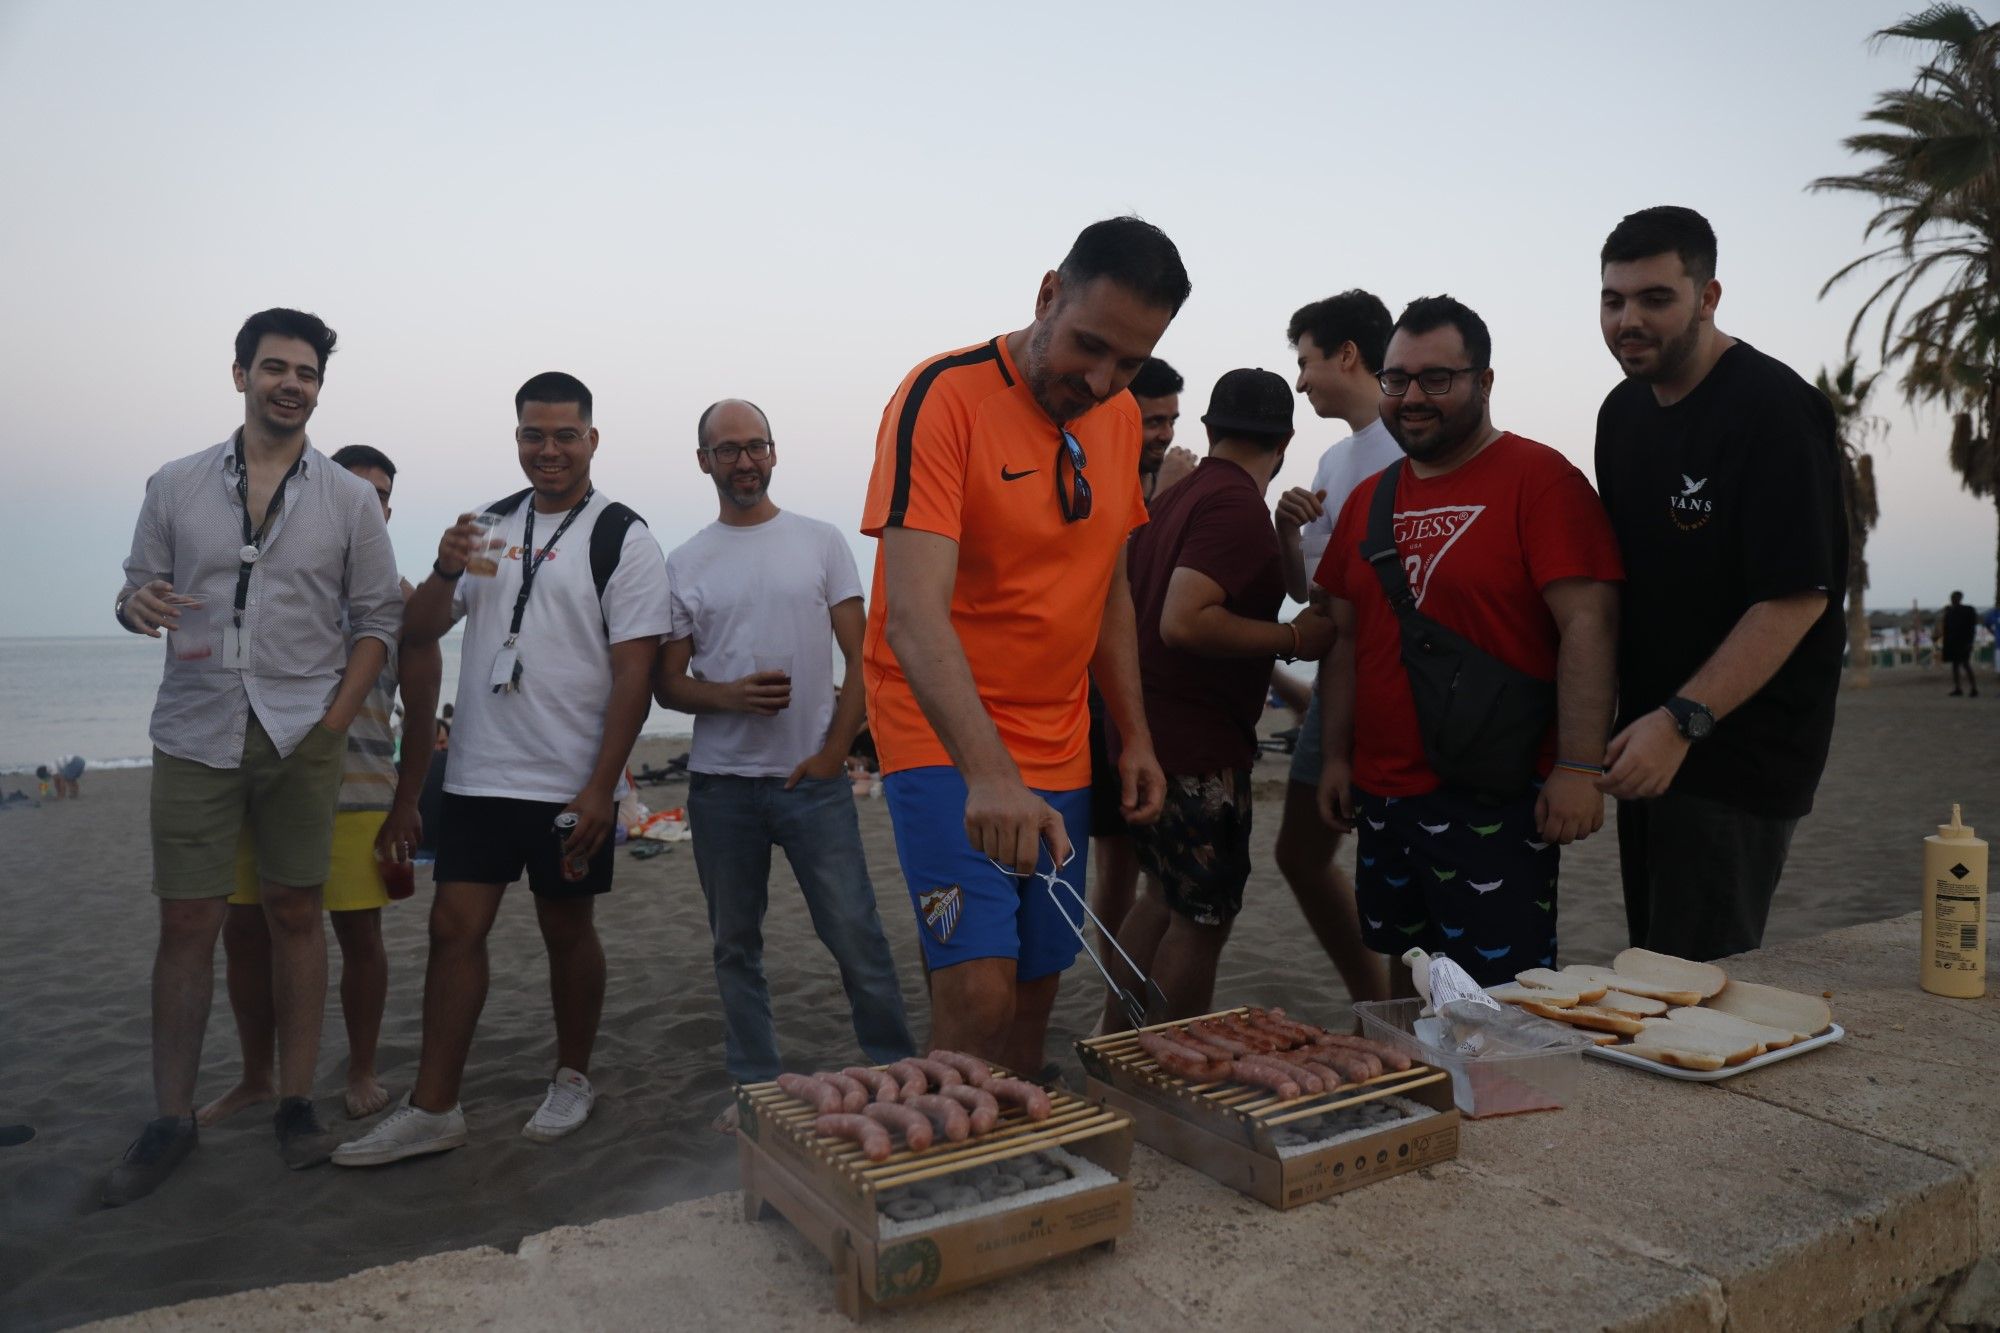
195, 638
399, 877
779, 662
482, 564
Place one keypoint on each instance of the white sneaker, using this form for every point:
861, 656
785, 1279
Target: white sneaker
564, 1110
405, 1132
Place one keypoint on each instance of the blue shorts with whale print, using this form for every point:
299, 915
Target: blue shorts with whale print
1451, 874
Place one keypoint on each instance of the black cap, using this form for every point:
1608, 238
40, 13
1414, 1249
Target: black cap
1251, 402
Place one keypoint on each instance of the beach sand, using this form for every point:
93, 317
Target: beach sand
76, 937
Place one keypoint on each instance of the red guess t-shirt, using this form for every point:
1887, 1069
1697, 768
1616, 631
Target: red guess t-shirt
1478, 544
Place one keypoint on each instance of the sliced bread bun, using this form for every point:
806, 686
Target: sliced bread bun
1555, 999
1705, 979
1802, 1014
1637, 1006
1652, 990
1587, 992
1583, 1016
1772, 1039
1688, 1047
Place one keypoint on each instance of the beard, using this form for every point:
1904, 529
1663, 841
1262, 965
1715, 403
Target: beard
1063, 397
1674, 355
742, 499
1447, 434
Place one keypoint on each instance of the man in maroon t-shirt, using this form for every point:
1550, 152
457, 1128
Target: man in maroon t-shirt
1207, 583
1504, 542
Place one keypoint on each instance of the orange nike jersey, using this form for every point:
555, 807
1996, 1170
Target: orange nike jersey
964, 451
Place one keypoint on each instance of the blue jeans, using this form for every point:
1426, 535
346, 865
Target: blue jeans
735, 822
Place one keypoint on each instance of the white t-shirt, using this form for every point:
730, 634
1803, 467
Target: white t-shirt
540, 742
763, 591
1343, 467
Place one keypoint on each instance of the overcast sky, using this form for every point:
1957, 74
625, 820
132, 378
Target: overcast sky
796, 203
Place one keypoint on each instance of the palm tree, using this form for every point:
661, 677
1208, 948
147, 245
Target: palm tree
1853, 427
1936, 172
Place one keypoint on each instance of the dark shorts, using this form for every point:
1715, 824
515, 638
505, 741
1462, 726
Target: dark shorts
492, 839
1106, 791
1699, 875
1959, 654
1448, 873
1199, 848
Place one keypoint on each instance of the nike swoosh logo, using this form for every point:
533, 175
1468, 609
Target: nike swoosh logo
1005, 475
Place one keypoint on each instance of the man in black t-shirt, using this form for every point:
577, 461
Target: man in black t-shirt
1956, 627
1719, 469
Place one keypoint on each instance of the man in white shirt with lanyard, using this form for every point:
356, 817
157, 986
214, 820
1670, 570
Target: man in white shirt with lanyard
554, 684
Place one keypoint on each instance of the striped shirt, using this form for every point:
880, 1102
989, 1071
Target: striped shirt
326, 547
368, 778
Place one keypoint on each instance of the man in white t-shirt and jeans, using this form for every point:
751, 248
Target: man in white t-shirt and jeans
1340, 342
553, 686
760, 596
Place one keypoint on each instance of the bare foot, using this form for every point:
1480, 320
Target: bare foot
365, 1096
727, 1121
238, 1098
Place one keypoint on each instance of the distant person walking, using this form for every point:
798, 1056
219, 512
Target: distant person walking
68, 776
760, 598
1957, 624
269, 567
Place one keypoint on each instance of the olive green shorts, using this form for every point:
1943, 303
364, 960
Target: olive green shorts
287, 805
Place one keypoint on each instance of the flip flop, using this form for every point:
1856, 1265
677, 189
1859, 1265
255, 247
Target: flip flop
14, 1135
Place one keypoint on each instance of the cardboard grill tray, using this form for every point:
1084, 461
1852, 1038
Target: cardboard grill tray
1224, 1129
827, 1190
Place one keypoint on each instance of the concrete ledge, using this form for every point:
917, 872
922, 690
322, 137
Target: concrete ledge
1859, 1185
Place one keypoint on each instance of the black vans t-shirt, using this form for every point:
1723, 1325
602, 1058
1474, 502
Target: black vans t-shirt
1727, 498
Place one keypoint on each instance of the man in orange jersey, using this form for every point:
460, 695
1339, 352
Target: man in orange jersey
999, 591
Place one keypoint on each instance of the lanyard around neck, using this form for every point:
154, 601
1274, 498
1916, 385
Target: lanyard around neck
253, 539
531, 560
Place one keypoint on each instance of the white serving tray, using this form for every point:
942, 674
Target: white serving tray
1623, 1057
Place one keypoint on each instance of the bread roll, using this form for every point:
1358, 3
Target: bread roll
1688, 1047
1804, 1015
1705, 979
1557, 998
1612, 980
1770, 1038
1583, 1016
1638, 1006
1587, 992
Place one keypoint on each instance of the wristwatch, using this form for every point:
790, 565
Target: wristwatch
118, 610
1693, 720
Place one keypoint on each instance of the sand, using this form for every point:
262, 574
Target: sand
76, 933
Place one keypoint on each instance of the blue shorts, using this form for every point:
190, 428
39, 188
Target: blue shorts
966, 906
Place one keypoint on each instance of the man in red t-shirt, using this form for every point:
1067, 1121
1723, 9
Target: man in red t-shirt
1504, 542
1207, 584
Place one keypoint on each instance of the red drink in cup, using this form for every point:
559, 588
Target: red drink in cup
399, 877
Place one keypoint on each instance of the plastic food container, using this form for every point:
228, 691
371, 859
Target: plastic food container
1503, 1080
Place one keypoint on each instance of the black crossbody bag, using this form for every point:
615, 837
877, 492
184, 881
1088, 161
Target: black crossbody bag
1482, 722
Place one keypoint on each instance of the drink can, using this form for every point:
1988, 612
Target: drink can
573, 868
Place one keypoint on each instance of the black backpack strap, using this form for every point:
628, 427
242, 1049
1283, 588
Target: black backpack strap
607, 544
508, 505
1378, 548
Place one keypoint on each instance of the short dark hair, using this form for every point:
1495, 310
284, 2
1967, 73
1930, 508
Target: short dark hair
1354, 316
553, 386
1958, 597
1156, 379
364, 455
285, 323
1428, 313
701, 424
1658, 231
1132, 253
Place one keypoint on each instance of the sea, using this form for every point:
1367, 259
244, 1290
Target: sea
94, 697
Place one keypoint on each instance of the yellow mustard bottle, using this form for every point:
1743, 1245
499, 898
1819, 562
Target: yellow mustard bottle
1954, 946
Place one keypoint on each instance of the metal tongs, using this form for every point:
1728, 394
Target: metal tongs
1129, 1002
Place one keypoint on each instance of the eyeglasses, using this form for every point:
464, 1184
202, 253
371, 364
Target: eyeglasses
1435, 382
1075, 501
727, 454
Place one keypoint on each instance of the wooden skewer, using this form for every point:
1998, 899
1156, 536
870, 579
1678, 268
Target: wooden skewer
1346, 1102
885, 1180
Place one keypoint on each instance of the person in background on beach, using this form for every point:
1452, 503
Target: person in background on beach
554, 683
377, 823
1991, 620
262, 680
759, 597
1156, 389
1957, 624
1719, 468
1207, 584
1339, 342
999, 593
68, 776
43, 781
1500, 540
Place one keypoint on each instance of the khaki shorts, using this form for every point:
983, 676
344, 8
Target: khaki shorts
353, 879
199, 813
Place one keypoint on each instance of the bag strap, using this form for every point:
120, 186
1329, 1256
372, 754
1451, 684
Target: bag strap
504, 507
1378, 548
607, 539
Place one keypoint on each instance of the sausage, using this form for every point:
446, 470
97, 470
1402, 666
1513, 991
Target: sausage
853, 1093
1358, 1066
979, 1104
1176, 1058
874, 1139
911, 1075
1274, 1020
1310, 1084
940, 1074
972, 1069
1390, 1057
1208, 1050
914, 1126
884, 1088
1024, 1095
1278, 1080
947, 1117
1286, 1034
817, 1093
1254, 1037
1216, 1036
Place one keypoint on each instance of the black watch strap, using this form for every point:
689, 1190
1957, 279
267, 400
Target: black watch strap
1693, 720
444, 574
